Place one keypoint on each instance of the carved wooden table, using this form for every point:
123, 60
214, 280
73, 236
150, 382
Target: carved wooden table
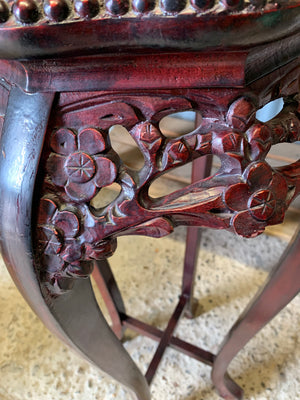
71, 71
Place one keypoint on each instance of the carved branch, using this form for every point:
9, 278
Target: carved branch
245, 195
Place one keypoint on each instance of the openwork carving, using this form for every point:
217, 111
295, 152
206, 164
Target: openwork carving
244, 196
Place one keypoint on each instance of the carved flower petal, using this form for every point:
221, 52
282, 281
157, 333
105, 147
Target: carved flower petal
101, 250
71, 251
46, 211
279, 215
241, 113
91, 141
81, 192
55, 168
258, 175
246, 226
67, 222
80, 269
279, 187
49, 240
106, 172
63, 141
236, 196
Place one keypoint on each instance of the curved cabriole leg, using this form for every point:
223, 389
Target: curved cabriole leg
282, 286
73, 316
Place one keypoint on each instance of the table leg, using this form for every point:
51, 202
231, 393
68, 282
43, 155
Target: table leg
281, 287
73, 316
201, 169
110, 293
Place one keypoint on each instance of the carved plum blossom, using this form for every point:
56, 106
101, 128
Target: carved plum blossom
58, 231
245, 195
63, 253
59, 247
258, 202
78, 163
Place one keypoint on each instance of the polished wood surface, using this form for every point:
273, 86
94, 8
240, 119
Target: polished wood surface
35, 28
70, 73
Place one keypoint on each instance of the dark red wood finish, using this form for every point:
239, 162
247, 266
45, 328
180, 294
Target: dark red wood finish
31, 30
132, 66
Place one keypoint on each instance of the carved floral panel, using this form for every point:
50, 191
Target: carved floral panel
244, 196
